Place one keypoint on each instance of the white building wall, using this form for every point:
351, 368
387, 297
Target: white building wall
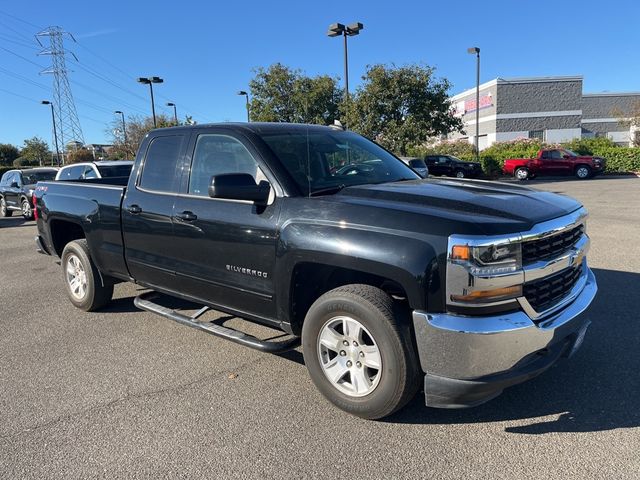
562, 135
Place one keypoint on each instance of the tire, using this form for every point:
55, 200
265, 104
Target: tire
583, 172
460, 174
82, 279
4, 211
521, 174
25, 207
377, 372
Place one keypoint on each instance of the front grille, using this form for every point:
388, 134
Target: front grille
548, 291
552, 246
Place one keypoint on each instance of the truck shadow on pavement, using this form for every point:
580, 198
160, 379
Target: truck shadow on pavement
597, 389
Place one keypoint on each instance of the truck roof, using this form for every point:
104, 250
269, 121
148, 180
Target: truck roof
256, 127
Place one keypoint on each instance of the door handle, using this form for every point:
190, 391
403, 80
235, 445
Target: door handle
134, 209
188, 216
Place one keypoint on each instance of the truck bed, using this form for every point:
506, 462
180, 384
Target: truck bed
94, 205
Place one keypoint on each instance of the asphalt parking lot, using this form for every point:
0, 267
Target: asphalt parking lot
126, 394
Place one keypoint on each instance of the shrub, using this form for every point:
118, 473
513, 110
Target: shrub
458, 148
25, 162
589, 146
621, 159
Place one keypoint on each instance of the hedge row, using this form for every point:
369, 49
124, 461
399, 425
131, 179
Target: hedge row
619, 159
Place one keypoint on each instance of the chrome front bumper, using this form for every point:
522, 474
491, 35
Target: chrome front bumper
468, 348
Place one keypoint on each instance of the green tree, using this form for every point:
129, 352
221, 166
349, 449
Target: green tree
137, 128
8, 153
78, 156
282, 94
401, 107
36, 151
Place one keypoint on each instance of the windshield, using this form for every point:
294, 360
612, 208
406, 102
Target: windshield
570, 152
322, 161
35, 177
115, 170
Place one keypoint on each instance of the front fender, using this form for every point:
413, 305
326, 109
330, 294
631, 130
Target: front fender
409, 259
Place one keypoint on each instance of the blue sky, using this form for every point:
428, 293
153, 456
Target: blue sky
206, 50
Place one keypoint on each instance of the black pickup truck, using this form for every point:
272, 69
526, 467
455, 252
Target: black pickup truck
390, 282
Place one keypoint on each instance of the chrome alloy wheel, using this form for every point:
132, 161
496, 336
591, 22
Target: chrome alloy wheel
460, 174
522, 174
582, 172
26, 209
3, 207
76, 277
349, 356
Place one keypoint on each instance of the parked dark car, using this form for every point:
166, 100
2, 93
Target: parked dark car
450, 166
16, 190
417, 164
391, 283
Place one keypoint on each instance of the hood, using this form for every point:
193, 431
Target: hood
493, 208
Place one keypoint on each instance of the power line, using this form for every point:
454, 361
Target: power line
21, 20
23, 58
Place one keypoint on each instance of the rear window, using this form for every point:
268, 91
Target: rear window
35, 177
115, 170
159, 170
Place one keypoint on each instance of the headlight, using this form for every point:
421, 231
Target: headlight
478, 275
489, 259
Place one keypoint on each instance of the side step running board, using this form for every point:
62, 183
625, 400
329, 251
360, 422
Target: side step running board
143, 302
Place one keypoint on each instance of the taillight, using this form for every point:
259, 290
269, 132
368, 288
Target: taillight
35, 209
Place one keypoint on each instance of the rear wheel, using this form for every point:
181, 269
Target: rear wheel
4, 211
583, 172
82, 279
27, 213
358, 353
521, 173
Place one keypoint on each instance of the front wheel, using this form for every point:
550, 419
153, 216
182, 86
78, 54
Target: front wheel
84, 286
4, 211
460, 174
27, 213
358, 353
583, 172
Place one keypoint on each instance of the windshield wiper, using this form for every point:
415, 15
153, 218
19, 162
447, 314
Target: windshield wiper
321, 191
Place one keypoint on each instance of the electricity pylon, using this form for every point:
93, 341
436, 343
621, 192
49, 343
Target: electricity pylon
66, 116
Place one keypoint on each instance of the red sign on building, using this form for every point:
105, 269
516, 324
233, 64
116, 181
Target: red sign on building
485, 101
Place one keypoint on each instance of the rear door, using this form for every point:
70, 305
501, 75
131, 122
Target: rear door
12, 192
551, 162
147, 210
226, 248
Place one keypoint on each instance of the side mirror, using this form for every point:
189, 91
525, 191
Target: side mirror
14, 185
239, 186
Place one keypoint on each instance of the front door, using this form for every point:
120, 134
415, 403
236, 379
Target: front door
227, 248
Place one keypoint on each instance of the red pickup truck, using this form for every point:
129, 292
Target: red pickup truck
554, 161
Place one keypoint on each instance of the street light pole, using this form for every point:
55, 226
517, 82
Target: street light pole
336, 29
55, 133
476, 50
150, 81
246, 96
124, 134
175, 112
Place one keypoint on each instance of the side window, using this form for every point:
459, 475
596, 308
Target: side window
546, 155
556, 154
89, 172
443, 160
218, 154
159, 170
